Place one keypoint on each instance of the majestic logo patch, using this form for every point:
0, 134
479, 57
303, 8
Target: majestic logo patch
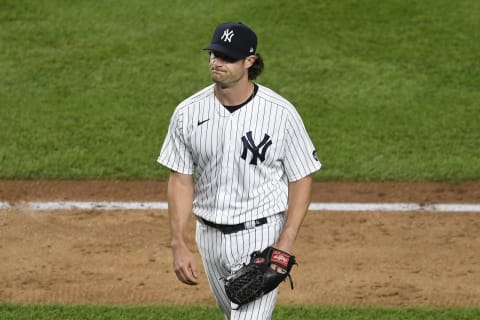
227, 35
258, 151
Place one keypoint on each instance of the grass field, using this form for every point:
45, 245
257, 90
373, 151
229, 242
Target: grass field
11, 312
388, 90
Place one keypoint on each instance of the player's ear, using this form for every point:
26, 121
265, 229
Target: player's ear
249, 61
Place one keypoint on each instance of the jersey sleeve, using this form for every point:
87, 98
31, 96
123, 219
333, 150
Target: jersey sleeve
300, 155
175, 153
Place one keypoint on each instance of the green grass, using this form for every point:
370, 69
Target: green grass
57, 312
388, 90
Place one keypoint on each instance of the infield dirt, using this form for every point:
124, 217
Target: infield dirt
345, 258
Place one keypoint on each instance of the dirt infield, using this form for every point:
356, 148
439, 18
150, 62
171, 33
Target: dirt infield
345, 258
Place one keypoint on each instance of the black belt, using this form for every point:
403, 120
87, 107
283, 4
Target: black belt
232, 228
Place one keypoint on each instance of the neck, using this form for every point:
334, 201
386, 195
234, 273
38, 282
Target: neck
235, 95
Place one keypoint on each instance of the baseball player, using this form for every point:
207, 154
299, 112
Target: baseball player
241, 160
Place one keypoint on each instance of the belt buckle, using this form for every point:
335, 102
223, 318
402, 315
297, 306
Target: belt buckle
250, 224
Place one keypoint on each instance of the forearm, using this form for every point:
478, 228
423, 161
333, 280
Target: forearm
180, 198
299, 196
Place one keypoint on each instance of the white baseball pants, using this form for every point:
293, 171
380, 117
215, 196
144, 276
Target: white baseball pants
223, 254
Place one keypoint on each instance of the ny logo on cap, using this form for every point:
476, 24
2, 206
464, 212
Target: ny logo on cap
227, 35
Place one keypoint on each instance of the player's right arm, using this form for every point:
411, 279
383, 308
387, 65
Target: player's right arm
180, 199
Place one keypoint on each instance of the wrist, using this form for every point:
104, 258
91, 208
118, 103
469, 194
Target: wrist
284, 245
178, 243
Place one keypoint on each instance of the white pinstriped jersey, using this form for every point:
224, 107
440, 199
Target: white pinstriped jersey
243, 160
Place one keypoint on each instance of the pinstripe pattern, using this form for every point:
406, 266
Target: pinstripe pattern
242, 162
228, 189
223, 254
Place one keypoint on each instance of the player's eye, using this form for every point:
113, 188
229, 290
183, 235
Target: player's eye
222, 57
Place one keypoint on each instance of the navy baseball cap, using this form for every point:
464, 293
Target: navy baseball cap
233, 39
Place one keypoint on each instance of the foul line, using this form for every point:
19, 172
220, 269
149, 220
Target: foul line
315, 206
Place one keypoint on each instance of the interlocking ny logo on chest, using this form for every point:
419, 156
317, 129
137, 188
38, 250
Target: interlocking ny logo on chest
258, 151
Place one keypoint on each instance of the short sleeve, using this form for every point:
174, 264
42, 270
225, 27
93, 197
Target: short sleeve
300, 155
175, 153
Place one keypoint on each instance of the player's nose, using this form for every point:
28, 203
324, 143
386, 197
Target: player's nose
214, 61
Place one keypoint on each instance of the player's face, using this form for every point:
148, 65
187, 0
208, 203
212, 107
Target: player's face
227, 71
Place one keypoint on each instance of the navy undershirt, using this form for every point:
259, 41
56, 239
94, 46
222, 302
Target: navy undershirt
232, 109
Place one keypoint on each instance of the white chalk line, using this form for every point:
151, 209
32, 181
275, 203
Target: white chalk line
315, 206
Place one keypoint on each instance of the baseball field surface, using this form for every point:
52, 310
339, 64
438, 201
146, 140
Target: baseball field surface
345, 258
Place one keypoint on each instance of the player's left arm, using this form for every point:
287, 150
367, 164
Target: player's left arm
299, 197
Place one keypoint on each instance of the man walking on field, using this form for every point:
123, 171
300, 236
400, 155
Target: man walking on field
241, 160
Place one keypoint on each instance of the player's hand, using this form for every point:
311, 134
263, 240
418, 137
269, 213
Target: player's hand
185, 266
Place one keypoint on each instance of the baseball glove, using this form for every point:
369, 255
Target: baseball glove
265, 271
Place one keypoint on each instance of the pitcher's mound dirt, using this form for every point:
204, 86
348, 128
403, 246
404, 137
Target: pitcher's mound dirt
345, 258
